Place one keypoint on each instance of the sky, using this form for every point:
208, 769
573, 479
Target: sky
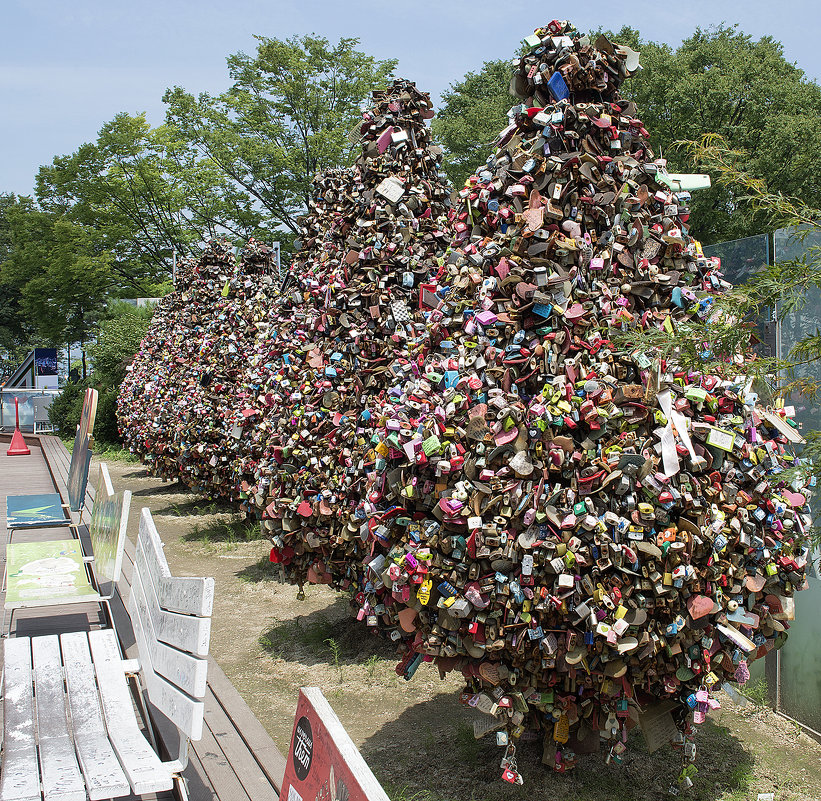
68, 66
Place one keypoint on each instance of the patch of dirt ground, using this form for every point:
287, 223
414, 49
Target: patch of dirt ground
415, 735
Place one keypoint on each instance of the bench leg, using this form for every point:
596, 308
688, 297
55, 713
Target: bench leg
181, 787
109, 619
149, 726
4, 631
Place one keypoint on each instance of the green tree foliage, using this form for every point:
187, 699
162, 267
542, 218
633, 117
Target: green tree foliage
120, 187
474, 111
119, 338
15, 331
110, 216
56, 270
720, 81
286, 116
65, 410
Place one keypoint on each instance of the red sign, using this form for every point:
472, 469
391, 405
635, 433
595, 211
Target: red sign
323, 763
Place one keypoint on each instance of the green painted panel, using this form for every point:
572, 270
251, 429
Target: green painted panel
43, 573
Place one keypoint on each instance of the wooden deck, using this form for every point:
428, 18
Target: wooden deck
236, 760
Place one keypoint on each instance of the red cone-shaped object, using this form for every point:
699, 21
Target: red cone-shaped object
18, 445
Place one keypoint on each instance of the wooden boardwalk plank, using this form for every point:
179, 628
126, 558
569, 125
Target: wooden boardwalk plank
247, 725
221, 773
253, 780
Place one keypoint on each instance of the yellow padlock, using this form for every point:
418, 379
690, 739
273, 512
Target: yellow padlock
423, 593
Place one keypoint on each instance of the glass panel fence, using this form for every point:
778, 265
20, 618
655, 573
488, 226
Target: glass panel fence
33, 404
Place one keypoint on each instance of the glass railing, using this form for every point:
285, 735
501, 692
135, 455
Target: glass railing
33, 404
740, 260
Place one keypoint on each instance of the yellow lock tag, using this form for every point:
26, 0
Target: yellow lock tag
423, 593
561, 730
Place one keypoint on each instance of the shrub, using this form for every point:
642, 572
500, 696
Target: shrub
66, 408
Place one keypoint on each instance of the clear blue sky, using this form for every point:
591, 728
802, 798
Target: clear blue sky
68, 66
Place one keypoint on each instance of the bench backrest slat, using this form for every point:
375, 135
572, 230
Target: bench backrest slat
188, 632
171, 646
188, 672
188, 596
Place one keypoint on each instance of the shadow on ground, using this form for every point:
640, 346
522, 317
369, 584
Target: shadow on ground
433, 743
167, 488
259, 571
327, 636
194, 506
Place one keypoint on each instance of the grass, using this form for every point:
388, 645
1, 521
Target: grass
107, 451
756, 691
740, 778
469, 747
287, 638
115, 453
229, 532
336, 650
261, 570
371, 664
199, 506
403, 792
331, 637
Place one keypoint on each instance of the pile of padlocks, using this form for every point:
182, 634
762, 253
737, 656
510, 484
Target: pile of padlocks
435, 415
180, 406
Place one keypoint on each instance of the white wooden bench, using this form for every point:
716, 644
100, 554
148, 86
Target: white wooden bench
69, 718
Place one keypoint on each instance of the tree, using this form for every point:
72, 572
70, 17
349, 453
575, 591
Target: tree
120, 333
286, 116
718, 81
474, 111
722, 81
15, 330
55, 267
120, 187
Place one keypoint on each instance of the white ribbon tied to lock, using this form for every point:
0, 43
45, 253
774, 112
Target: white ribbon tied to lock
668, 434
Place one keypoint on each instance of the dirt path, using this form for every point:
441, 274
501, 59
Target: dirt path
415, 735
